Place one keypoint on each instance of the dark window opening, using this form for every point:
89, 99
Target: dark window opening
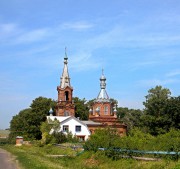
78, 128
65, 128
66, 96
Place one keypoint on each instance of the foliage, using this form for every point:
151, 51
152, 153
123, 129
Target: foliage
45, 129
27, 122
81, 108
172, 111
23, 125
155, 103
41, 106
105, 138
3, 141
136, 140
131, 117
51, 133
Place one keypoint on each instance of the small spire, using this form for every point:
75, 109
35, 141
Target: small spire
65, 80
103, 96
50, 112
65, 53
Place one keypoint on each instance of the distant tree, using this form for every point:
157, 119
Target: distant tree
90, 103
114, 101
172, 113
27, 122
41, 107
81, 108
155, 110
131, 117
18, 125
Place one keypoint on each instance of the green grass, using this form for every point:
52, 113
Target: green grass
32, 157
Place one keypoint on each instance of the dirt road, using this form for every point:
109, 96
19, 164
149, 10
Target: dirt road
6, 160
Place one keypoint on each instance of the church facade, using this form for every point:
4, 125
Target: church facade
102, 113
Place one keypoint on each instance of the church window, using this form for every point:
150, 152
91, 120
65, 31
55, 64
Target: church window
98, 110
66, 95
105, 110
65, 128
78, 128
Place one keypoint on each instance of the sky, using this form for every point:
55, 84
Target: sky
136, 42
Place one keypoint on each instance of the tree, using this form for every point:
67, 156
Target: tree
81, 108
27, 122
172, 111
155, 105
131, 117
17, 125
41, 106
102, 138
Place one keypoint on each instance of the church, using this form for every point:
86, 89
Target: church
102, 113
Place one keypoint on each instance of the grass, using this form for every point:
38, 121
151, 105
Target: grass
36, 157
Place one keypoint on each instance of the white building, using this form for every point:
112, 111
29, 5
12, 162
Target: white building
73, 125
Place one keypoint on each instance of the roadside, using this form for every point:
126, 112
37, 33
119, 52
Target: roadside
7, 161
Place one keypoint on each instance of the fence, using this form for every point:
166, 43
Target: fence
130, 153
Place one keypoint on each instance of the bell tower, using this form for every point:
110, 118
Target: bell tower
65, 105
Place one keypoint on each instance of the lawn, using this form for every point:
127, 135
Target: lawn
34, 157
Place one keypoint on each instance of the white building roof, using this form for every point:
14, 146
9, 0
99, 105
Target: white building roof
59, 118
89, 122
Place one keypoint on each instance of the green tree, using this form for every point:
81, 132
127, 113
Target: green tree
81, 108
18, 124
155, 110
172, 113
131, 117
27, 122
45, 129
105, 138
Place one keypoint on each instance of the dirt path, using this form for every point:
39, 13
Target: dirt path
7, 161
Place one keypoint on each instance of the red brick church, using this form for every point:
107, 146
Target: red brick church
102, 113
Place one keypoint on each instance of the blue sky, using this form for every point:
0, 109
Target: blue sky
135, 41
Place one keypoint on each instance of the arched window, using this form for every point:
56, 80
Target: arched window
105, 110
66, 95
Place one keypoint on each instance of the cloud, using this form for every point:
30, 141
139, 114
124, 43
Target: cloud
155, 82
173, 73
79, 26
138, 65
32, 36
83, 61
7, 27
8, 31
15, 34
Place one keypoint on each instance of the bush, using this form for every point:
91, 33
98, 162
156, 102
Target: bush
105, 138
116, 146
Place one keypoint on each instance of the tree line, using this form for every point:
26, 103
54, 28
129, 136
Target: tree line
160, 114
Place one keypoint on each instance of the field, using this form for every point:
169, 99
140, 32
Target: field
4, 133
34, 157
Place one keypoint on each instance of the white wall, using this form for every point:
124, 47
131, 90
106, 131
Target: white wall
72, 123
